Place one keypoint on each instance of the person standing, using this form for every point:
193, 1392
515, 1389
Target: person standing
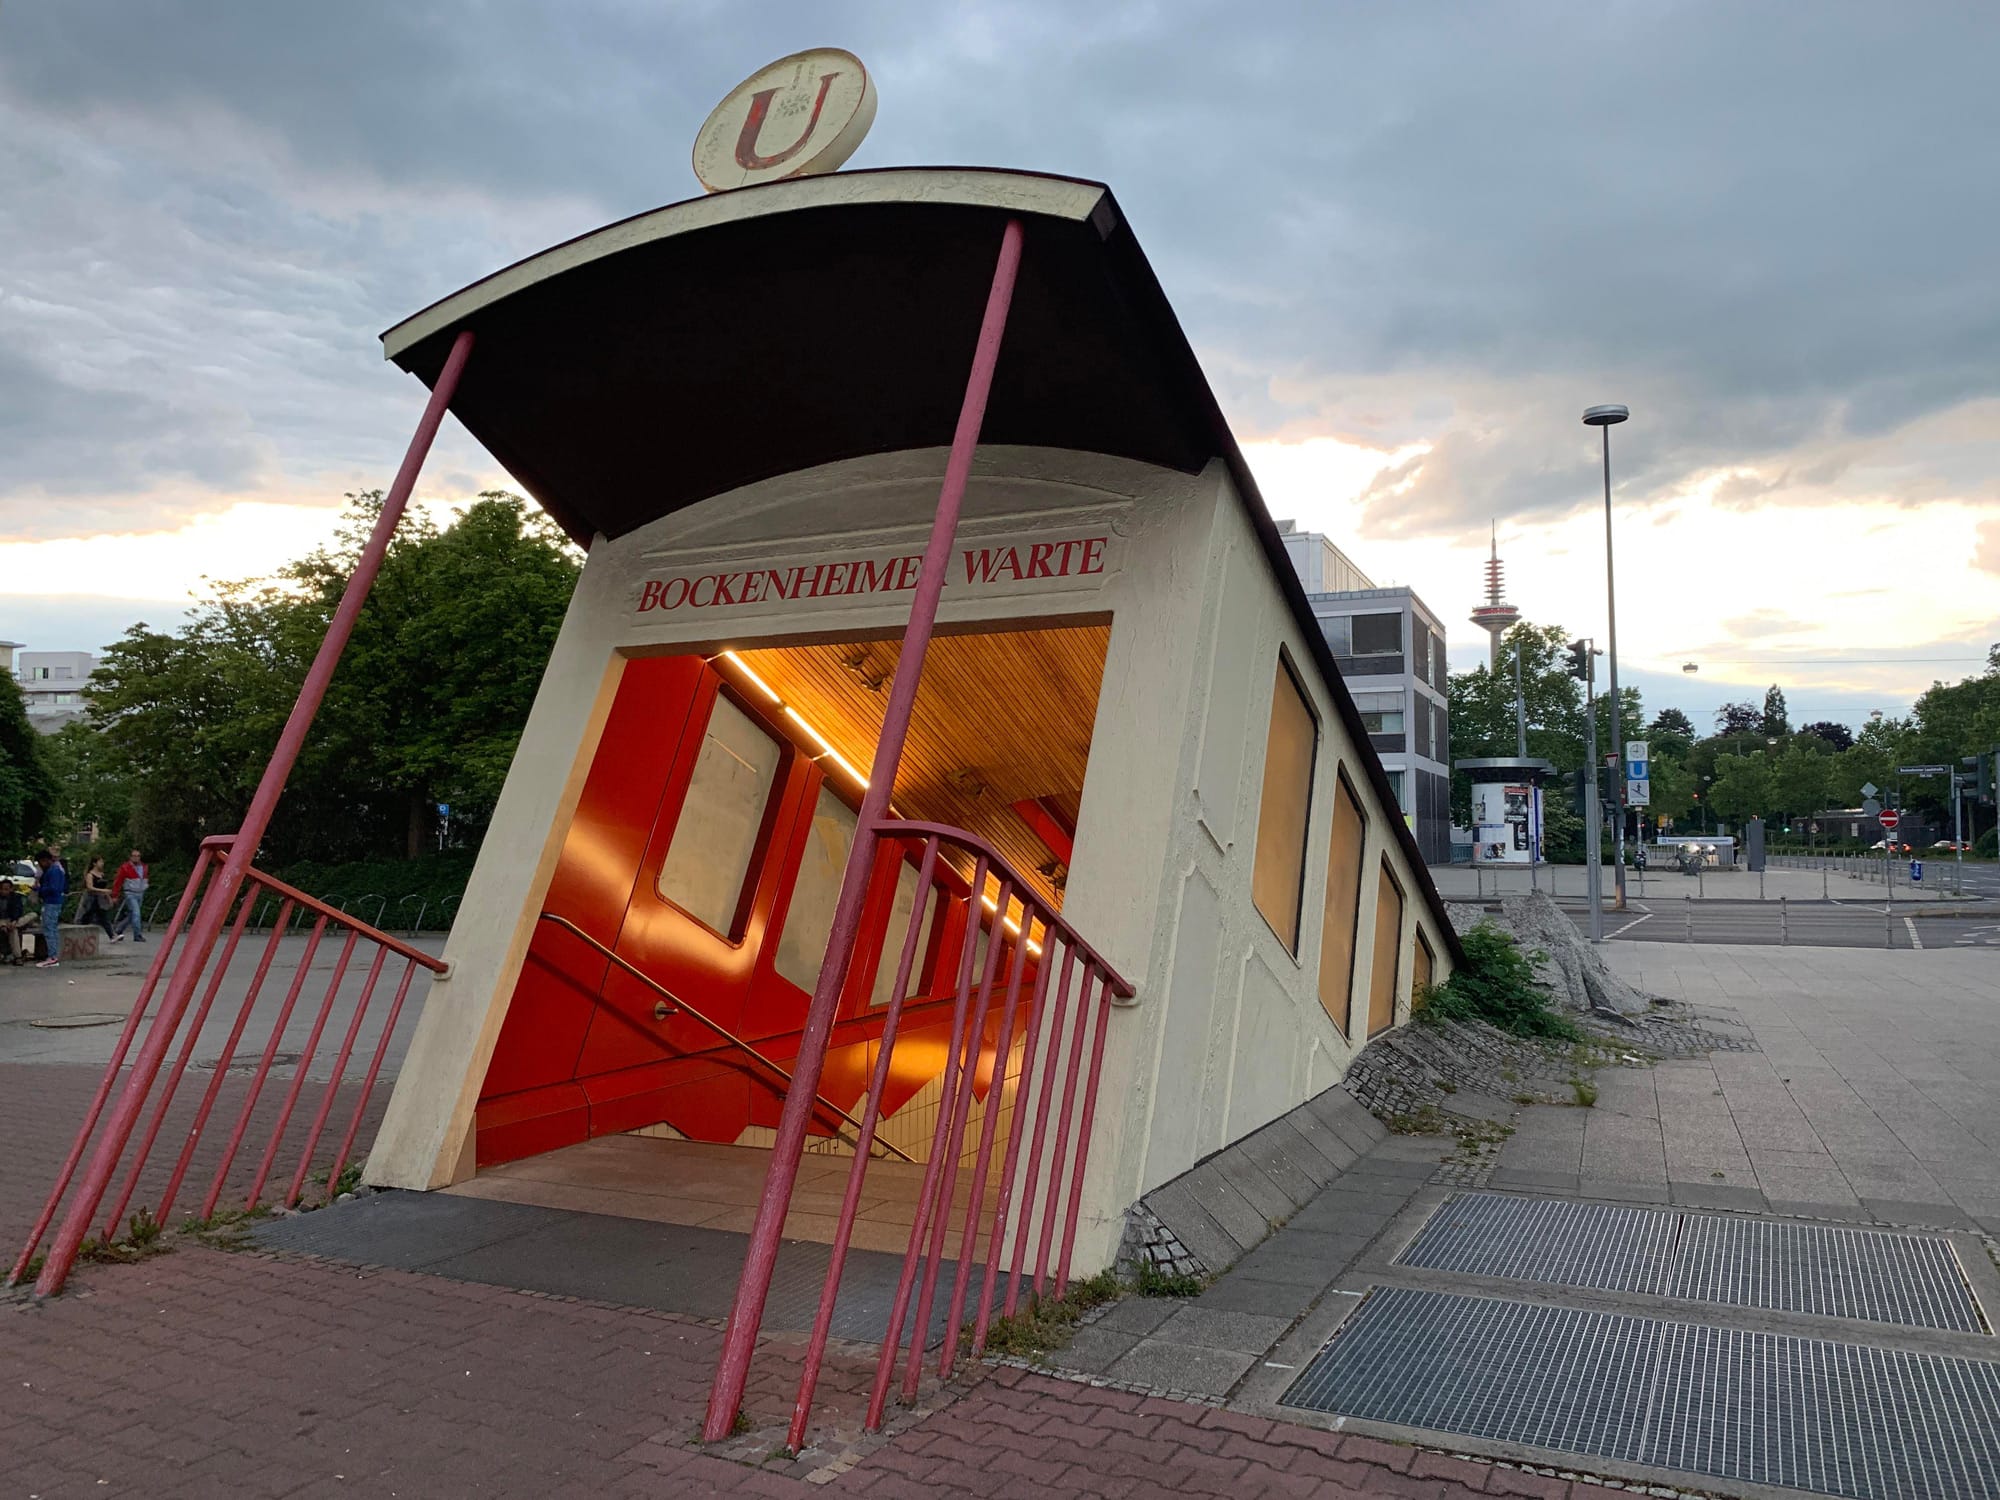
53, 888
128, 886
97, 895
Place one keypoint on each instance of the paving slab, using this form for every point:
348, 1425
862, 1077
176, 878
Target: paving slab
1221, 1328
1180, 1367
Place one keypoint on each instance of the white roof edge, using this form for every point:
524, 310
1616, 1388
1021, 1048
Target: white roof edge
1021, 192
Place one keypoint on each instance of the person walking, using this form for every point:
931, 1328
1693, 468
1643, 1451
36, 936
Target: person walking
128, 886
53, 888
96, 906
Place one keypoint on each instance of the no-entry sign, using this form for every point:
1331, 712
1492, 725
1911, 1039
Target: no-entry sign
1890, 820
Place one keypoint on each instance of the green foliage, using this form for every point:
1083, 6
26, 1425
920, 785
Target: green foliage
1742, 786
1496, 984
426, 707
1584, 1091
1151, 1281
1987, 845
1045, 1324
27, 789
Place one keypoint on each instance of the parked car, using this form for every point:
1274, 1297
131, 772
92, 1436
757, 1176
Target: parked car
19, 873
1892, 848
1950, 846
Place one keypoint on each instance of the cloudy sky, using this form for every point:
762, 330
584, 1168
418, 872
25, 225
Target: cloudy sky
1410, 242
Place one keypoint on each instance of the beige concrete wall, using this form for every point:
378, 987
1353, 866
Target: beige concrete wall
1227, 1031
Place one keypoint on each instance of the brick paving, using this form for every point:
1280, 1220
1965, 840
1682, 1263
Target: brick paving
202, 1372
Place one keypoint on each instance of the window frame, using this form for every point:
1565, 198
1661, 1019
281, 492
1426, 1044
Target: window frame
760, 849
1386, 877
1287, 671
1343, 785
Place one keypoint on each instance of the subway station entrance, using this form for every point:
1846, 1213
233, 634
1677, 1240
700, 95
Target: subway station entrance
666, 983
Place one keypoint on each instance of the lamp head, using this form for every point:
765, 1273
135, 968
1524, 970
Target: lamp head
1605, 416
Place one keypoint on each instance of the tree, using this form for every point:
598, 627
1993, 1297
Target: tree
27, 790
426, 707
1799, 781
1837, 735
1671, 733
1773, 721
1742, 787
1738, 718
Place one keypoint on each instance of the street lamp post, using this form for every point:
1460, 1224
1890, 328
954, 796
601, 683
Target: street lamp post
1605, 418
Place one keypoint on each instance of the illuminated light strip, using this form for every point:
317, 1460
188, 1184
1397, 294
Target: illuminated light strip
846, 765
763, 687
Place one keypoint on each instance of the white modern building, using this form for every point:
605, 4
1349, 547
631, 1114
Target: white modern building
56, 685
1390, 648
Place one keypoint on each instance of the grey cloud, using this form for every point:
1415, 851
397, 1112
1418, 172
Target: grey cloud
1770, 238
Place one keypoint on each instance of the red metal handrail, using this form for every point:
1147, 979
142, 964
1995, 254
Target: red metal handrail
189, 1018
1052, 1043
730, 1040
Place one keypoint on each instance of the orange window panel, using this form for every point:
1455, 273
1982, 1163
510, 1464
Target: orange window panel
1422, 968
1278, 875
1388, 951
1342, 912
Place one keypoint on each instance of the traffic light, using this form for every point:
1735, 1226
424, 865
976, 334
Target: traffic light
1987, 787
1579, 660
1579, 801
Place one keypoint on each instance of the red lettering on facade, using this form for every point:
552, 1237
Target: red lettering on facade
1076, 557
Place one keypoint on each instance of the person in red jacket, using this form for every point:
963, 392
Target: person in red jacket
128, 886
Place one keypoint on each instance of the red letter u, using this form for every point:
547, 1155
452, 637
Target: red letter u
753, 125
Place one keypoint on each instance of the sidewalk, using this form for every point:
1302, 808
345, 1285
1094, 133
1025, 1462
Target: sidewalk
202, 1372
1875, 1095
1469, 882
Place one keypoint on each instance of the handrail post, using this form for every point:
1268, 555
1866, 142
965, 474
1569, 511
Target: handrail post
222, 890
746, 1314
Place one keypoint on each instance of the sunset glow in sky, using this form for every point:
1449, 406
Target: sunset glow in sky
1409, 253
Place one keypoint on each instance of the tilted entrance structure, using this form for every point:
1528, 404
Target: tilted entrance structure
939, 759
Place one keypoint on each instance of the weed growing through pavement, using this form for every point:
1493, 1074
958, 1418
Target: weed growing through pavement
1046, 1324
1585, 1091
1153, 1282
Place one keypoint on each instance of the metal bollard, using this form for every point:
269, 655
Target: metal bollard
1822, 885
1760, 885
1888, 930
1784, 923
1689, 908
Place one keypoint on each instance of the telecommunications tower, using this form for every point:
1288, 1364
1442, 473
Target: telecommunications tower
1496, 616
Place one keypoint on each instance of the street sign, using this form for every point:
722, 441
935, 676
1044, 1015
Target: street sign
1870, 806
1889, 821
1922, 770
1869, 789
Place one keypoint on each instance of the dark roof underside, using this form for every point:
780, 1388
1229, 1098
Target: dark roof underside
640, 382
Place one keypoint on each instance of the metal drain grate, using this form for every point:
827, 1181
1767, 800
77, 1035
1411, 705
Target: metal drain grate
1511, 1371
1817, 1268
1548, 1240
1824, 1269
1838, 1419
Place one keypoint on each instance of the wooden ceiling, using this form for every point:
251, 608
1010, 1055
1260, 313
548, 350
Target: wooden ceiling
1001, 717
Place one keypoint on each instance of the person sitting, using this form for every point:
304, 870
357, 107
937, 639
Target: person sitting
96, 904
53, 888
13, 917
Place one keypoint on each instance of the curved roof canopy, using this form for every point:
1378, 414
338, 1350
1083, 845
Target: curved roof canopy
686, 352
716, 342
